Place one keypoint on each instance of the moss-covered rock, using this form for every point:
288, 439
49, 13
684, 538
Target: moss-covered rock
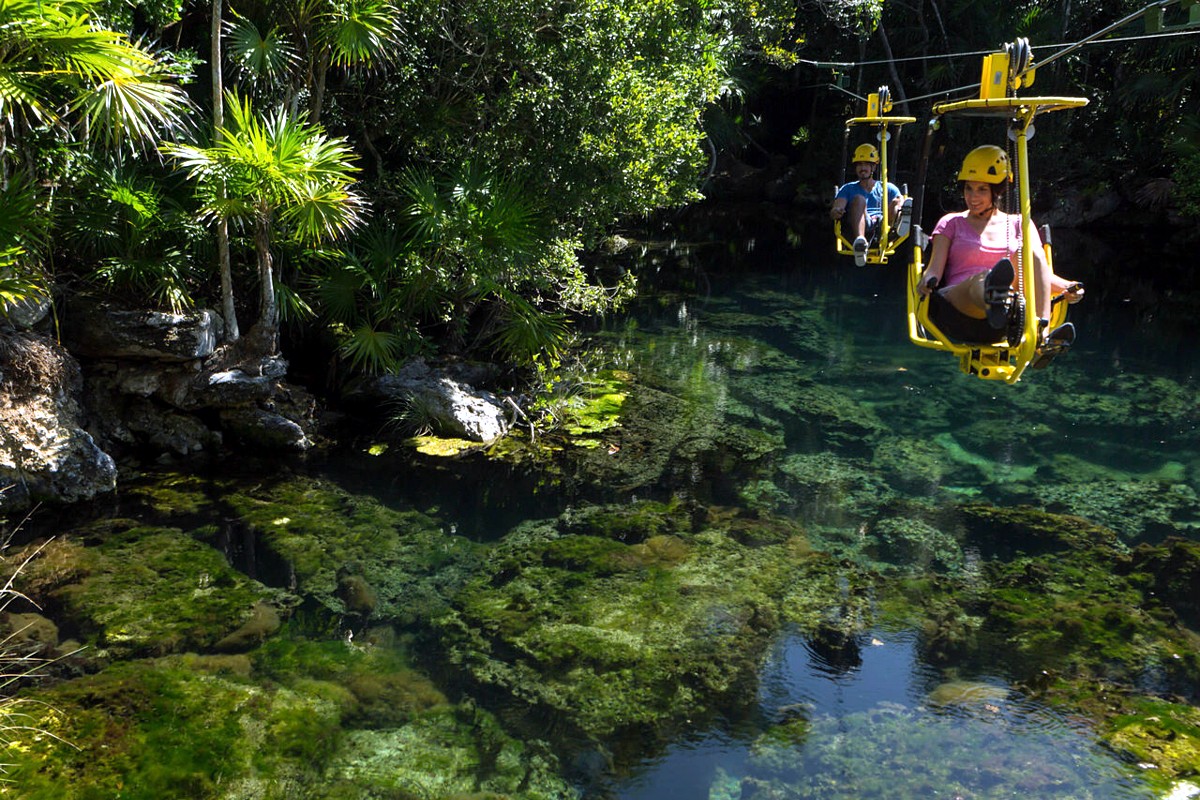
1170, 572
446, 753
628, 636
352, 553
179, 727
128, 591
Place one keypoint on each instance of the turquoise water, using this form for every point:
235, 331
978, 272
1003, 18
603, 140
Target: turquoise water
1108, 432
1116, 418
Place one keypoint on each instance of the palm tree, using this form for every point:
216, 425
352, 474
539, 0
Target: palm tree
279, 171
54, 57
291, 45
63, 74
218, 96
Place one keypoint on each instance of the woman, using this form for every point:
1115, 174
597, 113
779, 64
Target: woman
973, 255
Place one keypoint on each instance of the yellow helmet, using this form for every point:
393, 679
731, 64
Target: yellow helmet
866, 152
987, 163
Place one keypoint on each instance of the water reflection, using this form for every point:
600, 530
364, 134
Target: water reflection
883, 725
1110, 433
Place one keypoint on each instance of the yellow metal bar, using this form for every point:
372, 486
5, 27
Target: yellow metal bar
884, 205
1007, 104
1029, 341
880, 120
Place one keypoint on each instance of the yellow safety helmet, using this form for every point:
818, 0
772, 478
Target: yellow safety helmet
987, 163
866, 152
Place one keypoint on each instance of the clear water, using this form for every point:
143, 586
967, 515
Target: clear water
1117, 415
756, 337
886, 727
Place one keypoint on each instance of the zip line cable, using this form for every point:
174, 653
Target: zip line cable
1069, 47
970, 88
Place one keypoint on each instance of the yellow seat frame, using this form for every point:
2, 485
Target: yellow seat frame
878, 105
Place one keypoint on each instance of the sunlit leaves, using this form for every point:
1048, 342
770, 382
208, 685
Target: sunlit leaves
372, 350
137, 236
358, 32
53, 57
276, 165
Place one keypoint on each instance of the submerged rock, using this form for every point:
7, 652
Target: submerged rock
623, 633
143, 591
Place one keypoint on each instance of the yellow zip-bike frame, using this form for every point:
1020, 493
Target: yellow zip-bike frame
998, 360
878, 105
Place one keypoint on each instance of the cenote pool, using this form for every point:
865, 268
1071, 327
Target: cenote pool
783, 554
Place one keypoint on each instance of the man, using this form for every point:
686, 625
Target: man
859, 204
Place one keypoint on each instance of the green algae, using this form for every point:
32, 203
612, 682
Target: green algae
154, 729
618, 636
1161, 733
1135, 508
147, 591
341, 545
597, 404
913, 464
826, 487
442, 446
893, 750
446, 753
1063, 607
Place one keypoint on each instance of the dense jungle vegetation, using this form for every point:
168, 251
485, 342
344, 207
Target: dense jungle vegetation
400, 177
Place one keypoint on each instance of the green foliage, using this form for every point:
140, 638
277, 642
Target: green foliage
285, 50
112, 90
23, 228
1187, 174
274, 172
142, 241
600, 100
275, 167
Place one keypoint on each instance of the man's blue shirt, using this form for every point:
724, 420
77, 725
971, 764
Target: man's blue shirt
874, 197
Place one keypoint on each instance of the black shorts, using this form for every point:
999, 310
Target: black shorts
958, 326
873, 225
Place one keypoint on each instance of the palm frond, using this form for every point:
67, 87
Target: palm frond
360, 32
524, 331
292, 304
132, 106
23, 223
324, 212
256, 56
373, 351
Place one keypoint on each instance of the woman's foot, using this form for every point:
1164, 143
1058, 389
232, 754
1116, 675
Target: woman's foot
1057, 341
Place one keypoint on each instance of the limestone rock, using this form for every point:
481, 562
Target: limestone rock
452, 406
44, 449
103, 330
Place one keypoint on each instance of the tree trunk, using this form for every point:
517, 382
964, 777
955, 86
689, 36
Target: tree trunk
268, 318
223, 260
901, 99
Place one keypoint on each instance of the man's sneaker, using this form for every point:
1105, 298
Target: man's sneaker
997, 293
1057, 341
905, 220
860, 251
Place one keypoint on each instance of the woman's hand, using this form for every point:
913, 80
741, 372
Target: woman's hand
927, 284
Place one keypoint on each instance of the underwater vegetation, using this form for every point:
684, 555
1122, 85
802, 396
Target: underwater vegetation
754, 468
